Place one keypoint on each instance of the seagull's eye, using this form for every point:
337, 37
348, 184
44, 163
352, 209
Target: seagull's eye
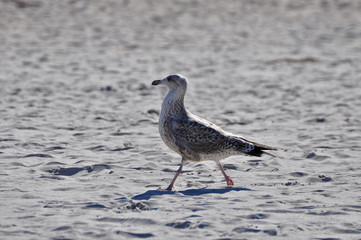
170, 79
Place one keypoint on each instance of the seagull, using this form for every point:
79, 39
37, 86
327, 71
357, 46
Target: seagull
194, 138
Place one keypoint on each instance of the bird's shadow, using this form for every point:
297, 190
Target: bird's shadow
190, 192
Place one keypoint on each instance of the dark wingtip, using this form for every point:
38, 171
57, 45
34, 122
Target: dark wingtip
259, 150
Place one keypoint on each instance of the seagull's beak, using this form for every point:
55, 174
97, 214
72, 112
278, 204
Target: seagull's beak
156, 82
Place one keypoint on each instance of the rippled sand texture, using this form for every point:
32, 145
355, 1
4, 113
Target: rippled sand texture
80, 153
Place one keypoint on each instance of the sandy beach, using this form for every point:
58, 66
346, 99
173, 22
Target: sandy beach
80, 152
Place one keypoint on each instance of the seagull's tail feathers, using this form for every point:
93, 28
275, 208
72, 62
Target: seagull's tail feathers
254, 149
259, 150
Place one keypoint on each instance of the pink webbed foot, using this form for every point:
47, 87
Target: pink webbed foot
229, 182
165, 189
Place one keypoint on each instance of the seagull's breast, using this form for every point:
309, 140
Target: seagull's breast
165, 134
172, 107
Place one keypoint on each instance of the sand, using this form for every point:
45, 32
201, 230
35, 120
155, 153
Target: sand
80, 153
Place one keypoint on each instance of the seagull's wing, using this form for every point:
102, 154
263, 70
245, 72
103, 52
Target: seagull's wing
197, 137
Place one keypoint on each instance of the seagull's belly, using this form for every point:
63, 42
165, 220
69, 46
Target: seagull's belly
216, 156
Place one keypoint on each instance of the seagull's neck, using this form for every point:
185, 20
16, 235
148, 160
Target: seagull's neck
173, 104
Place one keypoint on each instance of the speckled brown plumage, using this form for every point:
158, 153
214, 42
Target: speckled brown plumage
193, 137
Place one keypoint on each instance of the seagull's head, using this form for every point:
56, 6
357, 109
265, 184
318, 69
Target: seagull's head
172, 82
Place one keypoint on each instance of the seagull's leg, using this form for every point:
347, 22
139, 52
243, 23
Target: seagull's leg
170, 187
228, 179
